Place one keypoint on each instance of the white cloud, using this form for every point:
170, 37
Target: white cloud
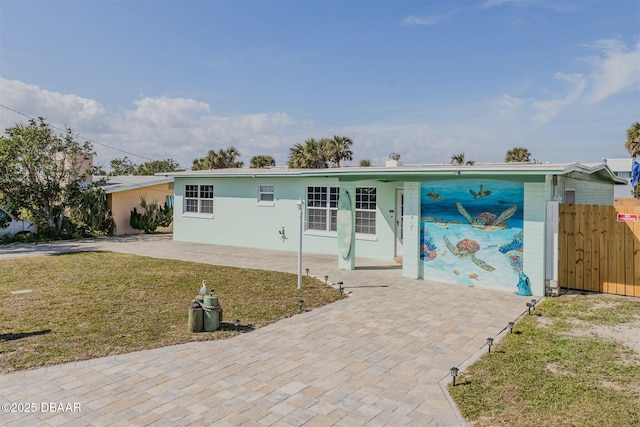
546, 4
616, 71
548, 109
66, 110
414, 20
157, 128
541, 111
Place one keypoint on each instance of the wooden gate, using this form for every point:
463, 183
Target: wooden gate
599, 248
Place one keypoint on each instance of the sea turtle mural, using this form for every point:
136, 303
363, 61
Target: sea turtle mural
433, 195
487, 221
439, 222
467, 248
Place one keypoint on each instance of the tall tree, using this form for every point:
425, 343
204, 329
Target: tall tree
518, 154
262, 161
42, 172
222, 159
157, 166
310, 155
125, 166
458, 159
122, 167
632, 144
339, 148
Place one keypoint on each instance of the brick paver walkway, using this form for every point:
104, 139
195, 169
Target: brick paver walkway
378, 358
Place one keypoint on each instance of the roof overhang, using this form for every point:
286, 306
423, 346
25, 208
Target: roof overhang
534, 172
116, 184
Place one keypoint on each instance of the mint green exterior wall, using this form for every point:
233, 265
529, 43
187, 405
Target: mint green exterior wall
239, 220
588, 192
534, 230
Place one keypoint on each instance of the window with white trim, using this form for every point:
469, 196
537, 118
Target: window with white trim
198, 199
366, 210
322, 208
266, 195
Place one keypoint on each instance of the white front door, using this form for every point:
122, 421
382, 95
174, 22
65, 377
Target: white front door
399, 220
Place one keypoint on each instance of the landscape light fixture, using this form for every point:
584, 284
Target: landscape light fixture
511, 325
533, 303
301, 304
236, 323
489, 343
454, 374
307, 270
211, 291
326, 279
341, 287
529, 305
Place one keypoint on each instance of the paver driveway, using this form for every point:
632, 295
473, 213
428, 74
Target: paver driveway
376, 358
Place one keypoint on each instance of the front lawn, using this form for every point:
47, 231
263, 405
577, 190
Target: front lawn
93, 304
573, 362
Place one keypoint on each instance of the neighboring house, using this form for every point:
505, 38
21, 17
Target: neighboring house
622, 168
124, 193
475, 225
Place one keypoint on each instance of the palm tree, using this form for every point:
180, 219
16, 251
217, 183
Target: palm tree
458, 159
262, 161
518, 154
633, 140
310, 155
225, 158
339, 148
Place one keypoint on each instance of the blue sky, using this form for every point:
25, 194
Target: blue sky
426, 79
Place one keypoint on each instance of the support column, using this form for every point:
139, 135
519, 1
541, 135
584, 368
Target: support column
346, 224
411, 264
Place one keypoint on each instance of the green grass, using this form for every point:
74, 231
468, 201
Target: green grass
552, 371
93, 304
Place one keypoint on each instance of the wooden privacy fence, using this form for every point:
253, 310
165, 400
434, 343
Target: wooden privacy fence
598, 250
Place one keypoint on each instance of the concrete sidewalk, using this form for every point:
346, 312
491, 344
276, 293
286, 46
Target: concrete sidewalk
376, 358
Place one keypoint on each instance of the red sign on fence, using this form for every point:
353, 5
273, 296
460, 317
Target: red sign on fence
627, 217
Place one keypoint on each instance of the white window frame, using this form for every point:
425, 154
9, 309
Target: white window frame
327, 207
203, 203
366, 211
264, 193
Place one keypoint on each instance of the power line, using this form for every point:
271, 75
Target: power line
77, 135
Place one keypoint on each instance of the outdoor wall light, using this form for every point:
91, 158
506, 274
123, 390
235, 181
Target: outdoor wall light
454, 374
326, 279
511, 325
341, 287
489, 343
529, 306
301, 304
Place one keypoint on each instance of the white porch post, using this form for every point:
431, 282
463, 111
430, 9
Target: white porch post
411, 264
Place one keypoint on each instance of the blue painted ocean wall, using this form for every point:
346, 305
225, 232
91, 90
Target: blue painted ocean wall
472, 231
